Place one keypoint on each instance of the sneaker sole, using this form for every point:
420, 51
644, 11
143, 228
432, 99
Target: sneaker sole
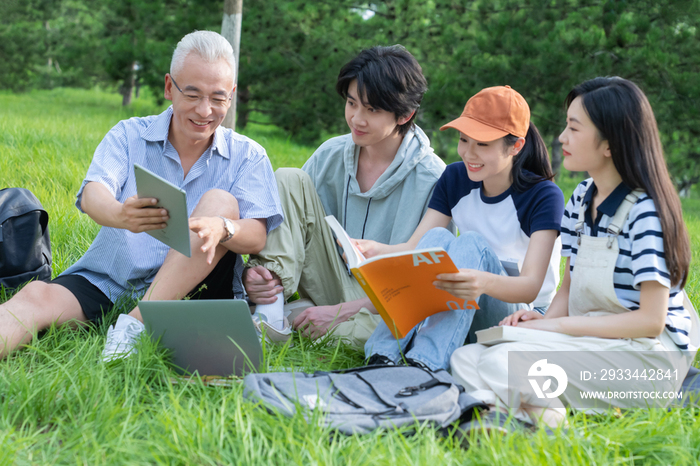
273, 335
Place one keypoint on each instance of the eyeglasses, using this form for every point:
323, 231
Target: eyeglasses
214, 101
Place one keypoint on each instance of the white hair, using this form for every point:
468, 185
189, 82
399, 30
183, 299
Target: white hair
209, 45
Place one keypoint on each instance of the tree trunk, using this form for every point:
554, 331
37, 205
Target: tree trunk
231, 30
49, 64
556, 157
243, 110
128, 86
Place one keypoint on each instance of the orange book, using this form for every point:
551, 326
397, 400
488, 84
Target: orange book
400, 285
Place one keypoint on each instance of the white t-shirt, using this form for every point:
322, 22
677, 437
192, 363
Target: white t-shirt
506, 221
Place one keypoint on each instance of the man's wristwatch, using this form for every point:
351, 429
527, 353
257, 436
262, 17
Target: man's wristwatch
229, 228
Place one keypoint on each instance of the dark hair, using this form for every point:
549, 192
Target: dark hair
624, 118
533, 157
388, 78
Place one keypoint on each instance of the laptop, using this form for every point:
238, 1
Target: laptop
171, 198
210, 337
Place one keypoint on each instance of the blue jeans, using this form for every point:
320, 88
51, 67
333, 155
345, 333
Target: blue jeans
433, 341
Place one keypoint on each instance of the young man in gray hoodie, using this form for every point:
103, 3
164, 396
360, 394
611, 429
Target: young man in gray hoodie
376, 181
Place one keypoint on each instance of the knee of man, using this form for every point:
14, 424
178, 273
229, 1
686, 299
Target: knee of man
292, 178
36, 292
217, 202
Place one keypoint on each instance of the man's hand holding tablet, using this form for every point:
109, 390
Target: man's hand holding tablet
170, 200
139, 215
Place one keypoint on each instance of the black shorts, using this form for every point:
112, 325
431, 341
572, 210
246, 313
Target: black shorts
95, 304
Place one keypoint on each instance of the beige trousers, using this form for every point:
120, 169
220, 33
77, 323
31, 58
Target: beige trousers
303, 254
484, 372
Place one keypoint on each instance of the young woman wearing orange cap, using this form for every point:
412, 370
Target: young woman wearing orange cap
506, 207
627, 259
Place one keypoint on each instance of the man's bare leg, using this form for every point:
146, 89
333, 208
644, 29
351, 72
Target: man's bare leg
34, 308
180, 274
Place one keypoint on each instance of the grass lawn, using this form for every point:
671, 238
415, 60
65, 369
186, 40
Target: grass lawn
59, 405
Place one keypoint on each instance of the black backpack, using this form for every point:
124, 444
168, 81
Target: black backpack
25, 249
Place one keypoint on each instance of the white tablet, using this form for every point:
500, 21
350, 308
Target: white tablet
171, 198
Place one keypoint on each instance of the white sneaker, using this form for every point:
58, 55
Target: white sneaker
121, 338
272, 334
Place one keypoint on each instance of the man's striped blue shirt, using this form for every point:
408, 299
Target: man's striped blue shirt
119, 261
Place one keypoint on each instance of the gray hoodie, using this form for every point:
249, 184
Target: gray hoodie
391, 210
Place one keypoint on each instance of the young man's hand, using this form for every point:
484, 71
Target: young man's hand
370, 248
315, 322
261, 285
139, 215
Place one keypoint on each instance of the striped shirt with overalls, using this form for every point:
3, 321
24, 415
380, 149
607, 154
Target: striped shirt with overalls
641, 257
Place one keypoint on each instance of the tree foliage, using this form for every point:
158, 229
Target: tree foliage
291, 53
292, 50
48, 43
144, 33
541, 48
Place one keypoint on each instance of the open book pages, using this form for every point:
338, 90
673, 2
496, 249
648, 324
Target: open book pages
352, 254
356, 259
402, 285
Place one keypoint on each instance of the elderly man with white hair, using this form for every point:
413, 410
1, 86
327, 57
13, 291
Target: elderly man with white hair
232, 201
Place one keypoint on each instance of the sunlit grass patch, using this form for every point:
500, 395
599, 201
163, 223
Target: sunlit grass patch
60, 405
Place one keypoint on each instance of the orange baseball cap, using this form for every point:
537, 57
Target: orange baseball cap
492, 113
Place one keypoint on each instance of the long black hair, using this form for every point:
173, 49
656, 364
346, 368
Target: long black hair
531, 164
624, 118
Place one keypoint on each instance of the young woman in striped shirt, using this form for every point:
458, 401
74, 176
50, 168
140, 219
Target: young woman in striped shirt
627, 258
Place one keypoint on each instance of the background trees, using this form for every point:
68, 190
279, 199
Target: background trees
541, 48
292, 50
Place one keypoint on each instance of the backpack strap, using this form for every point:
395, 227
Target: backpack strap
405, 391
353, 369
410, 391
433, 382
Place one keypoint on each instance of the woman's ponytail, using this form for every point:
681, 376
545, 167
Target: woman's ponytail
532, 158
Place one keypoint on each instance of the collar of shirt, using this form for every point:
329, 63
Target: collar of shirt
158, 129
608, 206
